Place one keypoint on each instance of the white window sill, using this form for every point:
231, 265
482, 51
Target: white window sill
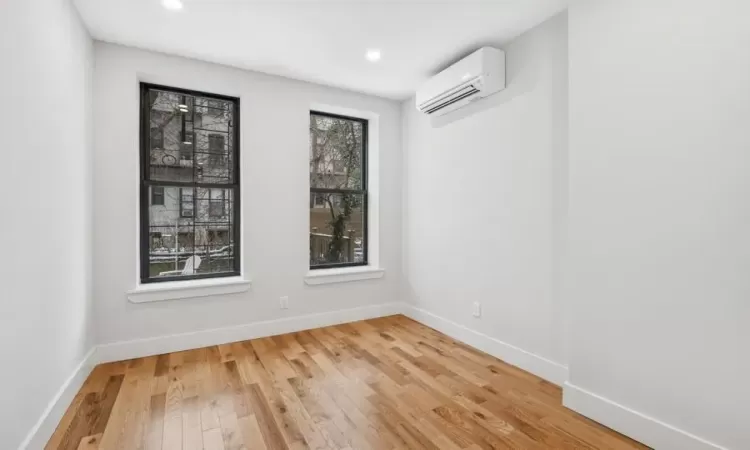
173, 290
342, 275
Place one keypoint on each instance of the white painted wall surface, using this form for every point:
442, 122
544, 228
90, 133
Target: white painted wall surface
660, 212
484, 200
45, 118
275, 172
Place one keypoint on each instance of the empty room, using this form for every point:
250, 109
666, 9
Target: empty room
375, 224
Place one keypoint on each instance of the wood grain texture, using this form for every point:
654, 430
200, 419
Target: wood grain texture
381, 384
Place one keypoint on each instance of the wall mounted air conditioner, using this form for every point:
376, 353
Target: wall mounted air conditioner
478, 75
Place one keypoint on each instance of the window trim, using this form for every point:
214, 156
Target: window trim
364, 190
146, 183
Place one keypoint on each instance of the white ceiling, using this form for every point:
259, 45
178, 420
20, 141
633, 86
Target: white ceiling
321, 41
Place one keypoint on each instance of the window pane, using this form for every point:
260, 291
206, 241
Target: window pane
337, 224
217, 206
214, 161
184, 239
157, 195
190, 138
216, 115
157, 138
336, 152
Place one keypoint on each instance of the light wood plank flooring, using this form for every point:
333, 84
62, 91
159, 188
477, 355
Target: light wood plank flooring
388, 383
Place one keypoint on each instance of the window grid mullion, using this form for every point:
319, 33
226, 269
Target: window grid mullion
164, 183
337, 191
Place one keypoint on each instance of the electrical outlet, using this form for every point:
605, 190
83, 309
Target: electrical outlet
476, 309
284, 302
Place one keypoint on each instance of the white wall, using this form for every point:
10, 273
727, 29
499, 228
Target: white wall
275, 172
660, 210
45, 93
484, 200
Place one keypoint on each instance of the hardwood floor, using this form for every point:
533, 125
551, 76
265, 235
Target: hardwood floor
388, 383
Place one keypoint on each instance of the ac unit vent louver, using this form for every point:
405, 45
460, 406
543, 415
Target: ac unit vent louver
466, 92
478, 75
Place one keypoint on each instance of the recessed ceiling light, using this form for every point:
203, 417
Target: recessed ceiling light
373, 55
172, 5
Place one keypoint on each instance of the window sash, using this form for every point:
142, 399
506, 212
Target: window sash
365, 235
337, 191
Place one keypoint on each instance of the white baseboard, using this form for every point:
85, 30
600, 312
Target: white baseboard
539, 366
640, 427
45, 426
119, 351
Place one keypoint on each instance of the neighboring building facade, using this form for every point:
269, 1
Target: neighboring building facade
190, 139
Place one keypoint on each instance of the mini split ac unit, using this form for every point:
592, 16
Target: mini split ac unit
478, 75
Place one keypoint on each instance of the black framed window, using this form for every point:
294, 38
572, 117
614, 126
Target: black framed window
157, 196
338, 191
190, 170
